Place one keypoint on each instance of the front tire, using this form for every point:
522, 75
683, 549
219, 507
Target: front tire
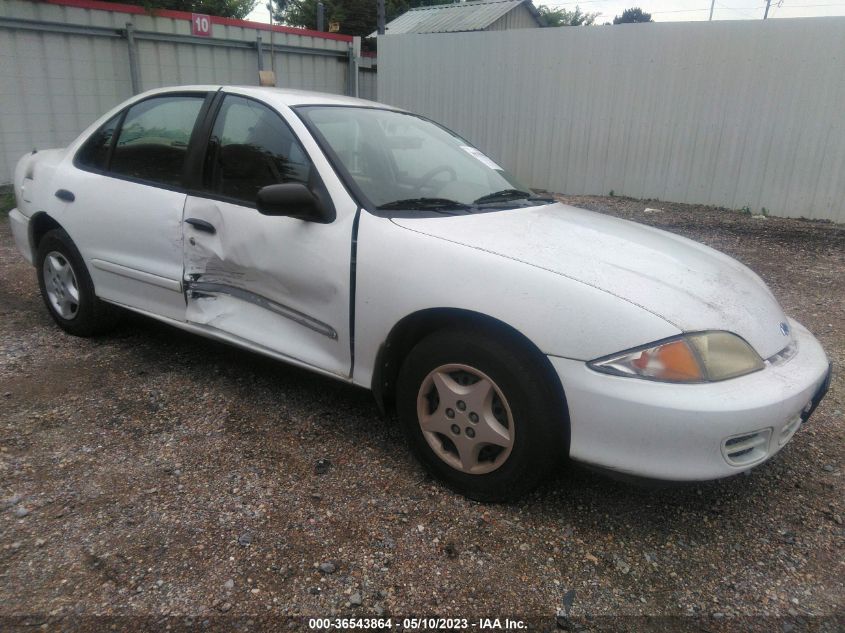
67, 289
479, 414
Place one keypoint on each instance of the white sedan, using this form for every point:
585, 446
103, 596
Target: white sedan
508, 331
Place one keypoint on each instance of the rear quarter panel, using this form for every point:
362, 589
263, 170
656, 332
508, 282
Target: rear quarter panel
34, 178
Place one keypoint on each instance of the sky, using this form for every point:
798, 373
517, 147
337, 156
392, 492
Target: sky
679, 10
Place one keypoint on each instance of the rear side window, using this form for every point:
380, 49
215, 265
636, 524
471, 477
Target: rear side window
153, 141
94, 154
251, 147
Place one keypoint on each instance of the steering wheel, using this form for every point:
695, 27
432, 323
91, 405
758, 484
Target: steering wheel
426, 178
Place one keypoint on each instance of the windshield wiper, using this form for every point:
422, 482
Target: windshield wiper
510, 194
504, 194
433, 204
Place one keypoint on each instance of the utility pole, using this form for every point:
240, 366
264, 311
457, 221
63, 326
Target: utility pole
712, 3
270, 6
380, 16
768, 4
321, 16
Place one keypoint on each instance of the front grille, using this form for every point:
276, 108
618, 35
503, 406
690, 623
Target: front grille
783, 355
742, 450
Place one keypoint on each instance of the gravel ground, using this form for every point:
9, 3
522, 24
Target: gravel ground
154, 474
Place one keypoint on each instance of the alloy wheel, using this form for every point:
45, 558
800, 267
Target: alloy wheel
61, 285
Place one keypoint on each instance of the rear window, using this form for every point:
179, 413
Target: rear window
153, 141
94, 154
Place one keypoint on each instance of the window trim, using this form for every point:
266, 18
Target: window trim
195, 187
352, 188
120, 116
181, 188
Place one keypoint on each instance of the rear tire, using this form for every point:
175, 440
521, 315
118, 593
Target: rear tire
480, 414
67, 289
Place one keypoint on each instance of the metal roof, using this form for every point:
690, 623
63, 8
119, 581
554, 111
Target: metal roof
475, 15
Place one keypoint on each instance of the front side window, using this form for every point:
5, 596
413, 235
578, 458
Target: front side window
401, 161
251, 147
153, 141
94, 153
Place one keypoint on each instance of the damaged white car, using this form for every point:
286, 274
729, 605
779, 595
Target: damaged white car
508, 331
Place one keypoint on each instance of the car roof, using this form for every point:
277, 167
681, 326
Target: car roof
278, 96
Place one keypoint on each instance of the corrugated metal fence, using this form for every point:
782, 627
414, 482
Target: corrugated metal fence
63, 63
733, 114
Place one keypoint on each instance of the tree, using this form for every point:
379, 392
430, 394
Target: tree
562, 17
632, 15
356, 17
276, 7
225, 8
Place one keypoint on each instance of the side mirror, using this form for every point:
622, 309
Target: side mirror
293, 200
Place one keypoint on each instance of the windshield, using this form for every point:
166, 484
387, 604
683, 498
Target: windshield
401, 161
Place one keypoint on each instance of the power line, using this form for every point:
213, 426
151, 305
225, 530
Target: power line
681, 11
741, 10
781, 4
569, 4
804, 6
708, 9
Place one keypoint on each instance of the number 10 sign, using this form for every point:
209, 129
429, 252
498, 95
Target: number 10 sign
200, 25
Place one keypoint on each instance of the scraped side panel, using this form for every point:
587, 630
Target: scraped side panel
278, 282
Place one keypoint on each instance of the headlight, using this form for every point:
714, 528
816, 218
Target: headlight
700, 357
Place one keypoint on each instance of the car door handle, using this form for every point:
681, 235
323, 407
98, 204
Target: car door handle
201, 225
64, 194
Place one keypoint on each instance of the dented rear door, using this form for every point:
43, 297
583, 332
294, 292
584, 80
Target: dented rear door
279, 283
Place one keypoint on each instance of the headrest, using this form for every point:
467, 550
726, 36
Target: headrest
243, 161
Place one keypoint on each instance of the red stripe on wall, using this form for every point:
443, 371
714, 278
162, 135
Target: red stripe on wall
184, 15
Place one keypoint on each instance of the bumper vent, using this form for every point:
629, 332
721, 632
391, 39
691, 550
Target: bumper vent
743, 450
789, 429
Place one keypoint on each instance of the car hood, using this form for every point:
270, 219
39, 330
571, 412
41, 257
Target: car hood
686, 283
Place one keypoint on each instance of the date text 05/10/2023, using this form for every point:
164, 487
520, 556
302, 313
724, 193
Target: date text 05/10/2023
417, 624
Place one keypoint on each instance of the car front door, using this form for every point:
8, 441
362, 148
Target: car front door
275, 283
129, 196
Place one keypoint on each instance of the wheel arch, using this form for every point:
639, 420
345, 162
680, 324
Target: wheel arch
414, 327
39, 225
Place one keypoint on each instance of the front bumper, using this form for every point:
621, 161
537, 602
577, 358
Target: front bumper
20, 231
691, 432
